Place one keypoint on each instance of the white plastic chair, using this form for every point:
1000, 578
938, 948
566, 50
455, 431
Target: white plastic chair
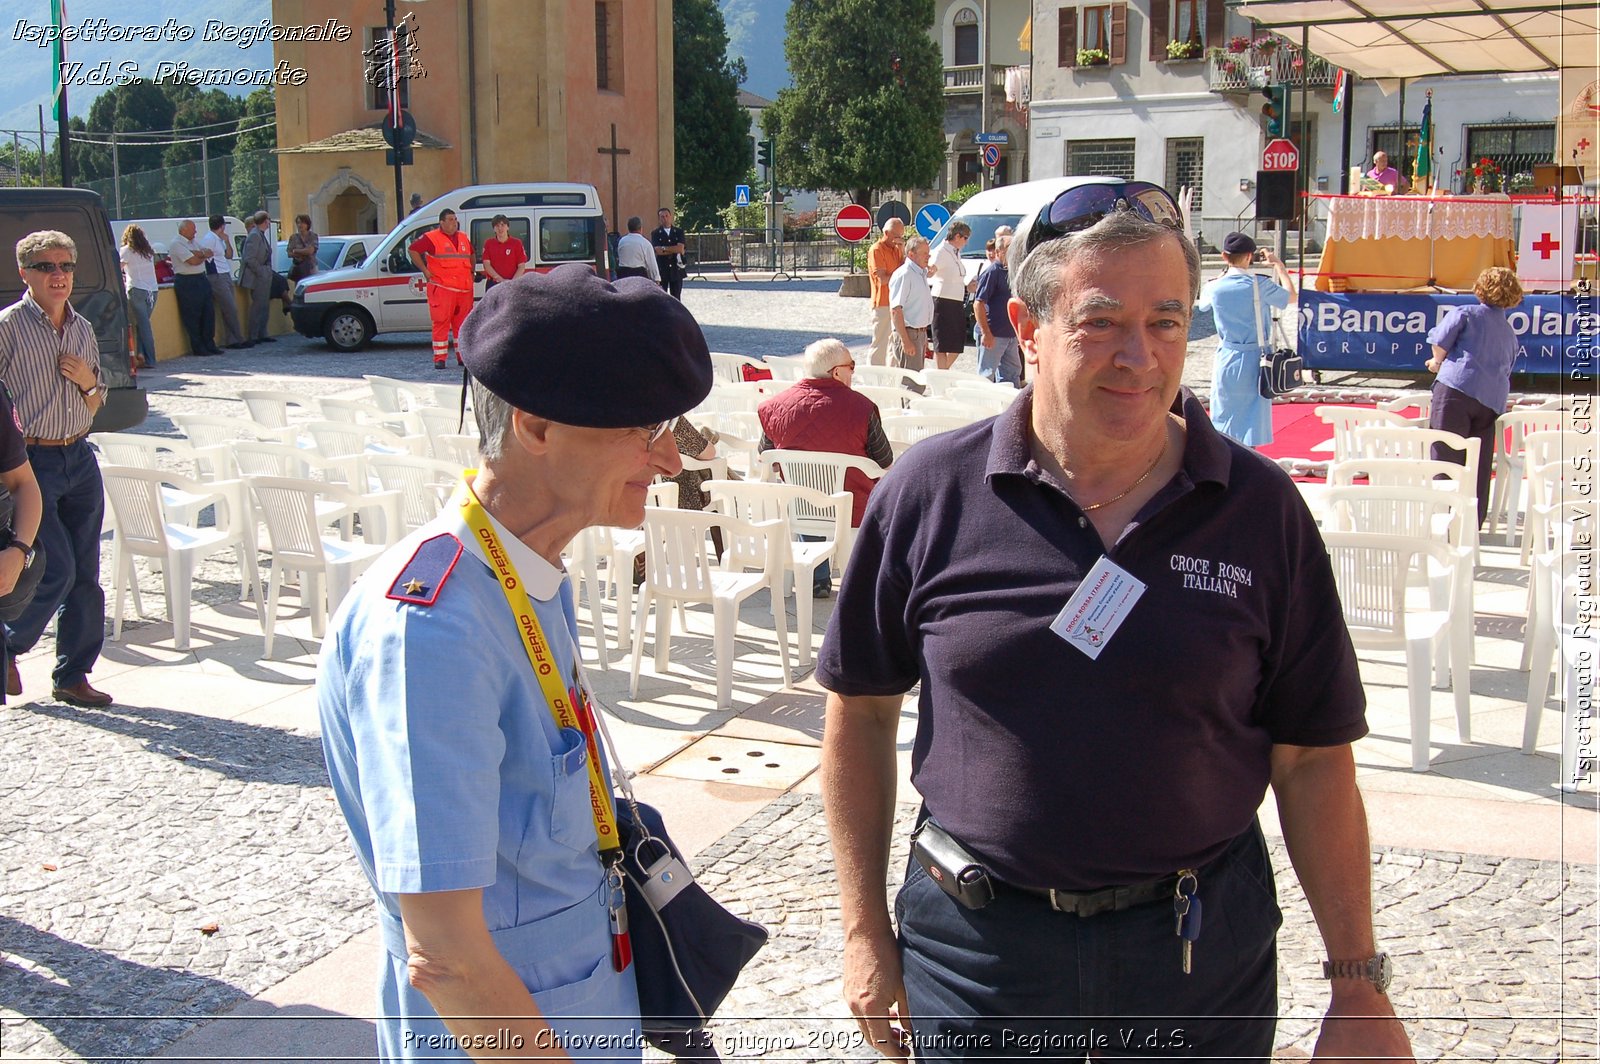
890, 400
729, 368
1370, 571
786, 369
821, 471
1511, 432
619, 548
144, 529
445, 396
759, 503
460, 449
288, 507
424, 484
914, 428
389, 394
1423, 401
436, 421
272, 409
745, 424
679, 569
1412, 444
991, 398
210, 437
1562, 624
889, 377
1556, 463
940, 381
349, 411
940, 407
1344, 420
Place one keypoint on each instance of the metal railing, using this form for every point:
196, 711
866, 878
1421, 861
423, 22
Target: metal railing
226, 184
1254, 69
755, 251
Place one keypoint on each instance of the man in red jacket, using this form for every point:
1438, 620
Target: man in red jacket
822, 413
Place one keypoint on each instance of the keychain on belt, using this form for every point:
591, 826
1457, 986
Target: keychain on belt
1186, 906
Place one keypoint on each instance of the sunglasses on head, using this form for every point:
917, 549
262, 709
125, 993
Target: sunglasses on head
52, 267
1080, 208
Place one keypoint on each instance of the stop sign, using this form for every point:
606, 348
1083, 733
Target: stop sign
853, 223
1280, 154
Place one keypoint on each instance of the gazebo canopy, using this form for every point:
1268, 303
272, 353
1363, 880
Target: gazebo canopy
1385, 39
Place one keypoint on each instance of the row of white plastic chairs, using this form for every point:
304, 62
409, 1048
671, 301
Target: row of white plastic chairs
283, 415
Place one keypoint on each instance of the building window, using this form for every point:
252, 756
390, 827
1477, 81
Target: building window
1389, 142
608, 45
967, 50
1096, 29
1515, 149
1188, 21
1100, 158
1186, 166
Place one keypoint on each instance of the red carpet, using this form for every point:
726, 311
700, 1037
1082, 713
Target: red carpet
1297, 431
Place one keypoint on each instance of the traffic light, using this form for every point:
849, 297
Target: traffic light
1276, 109
764, 152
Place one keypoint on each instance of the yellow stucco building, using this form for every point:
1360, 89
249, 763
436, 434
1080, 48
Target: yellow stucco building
508, 90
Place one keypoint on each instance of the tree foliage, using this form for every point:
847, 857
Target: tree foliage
712, 130
865, 110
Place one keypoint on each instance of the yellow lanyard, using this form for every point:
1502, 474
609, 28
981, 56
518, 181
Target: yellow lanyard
570, 709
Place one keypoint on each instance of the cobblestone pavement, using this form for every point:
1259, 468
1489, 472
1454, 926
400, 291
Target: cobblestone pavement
124, 836
1491, 953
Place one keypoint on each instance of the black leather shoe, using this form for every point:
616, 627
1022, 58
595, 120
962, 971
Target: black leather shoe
240, 346
204, 352
267, 340
13, 678
81, 694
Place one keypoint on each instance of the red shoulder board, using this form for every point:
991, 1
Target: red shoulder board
423, 577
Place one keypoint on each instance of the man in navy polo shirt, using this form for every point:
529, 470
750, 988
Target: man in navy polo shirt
1125, 627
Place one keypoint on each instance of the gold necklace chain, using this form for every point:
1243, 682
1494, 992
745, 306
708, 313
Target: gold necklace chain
1166, 440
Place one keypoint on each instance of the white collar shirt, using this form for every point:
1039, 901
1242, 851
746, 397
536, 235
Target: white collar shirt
908, 290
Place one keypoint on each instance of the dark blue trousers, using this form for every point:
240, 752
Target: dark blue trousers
74, 505
196, 311
1017, 979
1460, 413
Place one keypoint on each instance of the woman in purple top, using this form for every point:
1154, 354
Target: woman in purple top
1473, 349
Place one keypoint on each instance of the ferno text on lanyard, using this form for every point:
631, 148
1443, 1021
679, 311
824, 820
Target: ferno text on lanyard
571, 708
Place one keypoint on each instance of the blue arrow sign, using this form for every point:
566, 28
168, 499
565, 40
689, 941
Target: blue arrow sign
741, 195
931, 219
991, 138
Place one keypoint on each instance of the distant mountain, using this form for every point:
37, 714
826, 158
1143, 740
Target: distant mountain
755, 31
25, 63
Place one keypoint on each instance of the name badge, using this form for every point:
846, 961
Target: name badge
1097, 609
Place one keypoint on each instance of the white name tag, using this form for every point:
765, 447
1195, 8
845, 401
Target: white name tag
1097, 609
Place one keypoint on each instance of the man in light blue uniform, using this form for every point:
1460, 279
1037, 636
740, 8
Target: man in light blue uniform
468, 805
1238, 409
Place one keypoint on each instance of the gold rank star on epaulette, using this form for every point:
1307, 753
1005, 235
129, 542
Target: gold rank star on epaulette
422, 578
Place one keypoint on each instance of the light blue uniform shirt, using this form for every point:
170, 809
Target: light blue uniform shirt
1238, 408
452, 775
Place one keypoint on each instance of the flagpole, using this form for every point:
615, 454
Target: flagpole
58, 16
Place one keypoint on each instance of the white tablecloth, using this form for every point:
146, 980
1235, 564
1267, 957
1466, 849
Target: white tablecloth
1352, 218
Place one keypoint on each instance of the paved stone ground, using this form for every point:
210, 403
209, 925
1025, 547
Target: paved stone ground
1492, 953
124, 834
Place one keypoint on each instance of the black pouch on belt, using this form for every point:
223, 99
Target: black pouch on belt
951, 865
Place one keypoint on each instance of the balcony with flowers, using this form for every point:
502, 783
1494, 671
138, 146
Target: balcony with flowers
1245, 64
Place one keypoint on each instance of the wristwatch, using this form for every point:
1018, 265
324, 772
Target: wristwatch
26, 548
1377, 970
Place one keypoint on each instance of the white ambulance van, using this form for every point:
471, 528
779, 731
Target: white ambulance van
556, 222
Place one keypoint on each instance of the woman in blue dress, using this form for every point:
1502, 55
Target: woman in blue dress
1238, 408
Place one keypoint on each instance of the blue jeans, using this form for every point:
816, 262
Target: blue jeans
74, 505
821, 576
1017, 978
140, 304
1001, 363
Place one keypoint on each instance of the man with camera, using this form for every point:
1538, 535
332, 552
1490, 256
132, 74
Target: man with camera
1125, 628
1242, 303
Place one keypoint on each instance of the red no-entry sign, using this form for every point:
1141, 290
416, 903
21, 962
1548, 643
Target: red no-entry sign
853, 223
1279, 155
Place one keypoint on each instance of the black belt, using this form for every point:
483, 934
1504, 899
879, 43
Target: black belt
1111, 899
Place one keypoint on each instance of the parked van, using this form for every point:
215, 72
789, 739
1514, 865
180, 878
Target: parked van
162, 231
97, 289
556, 222
1015, 205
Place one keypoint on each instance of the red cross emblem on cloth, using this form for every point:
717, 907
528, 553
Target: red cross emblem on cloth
1545, 245
1583, 145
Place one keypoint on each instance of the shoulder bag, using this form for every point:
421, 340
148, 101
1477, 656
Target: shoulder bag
1282, 369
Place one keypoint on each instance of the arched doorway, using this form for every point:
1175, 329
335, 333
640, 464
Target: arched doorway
347, 203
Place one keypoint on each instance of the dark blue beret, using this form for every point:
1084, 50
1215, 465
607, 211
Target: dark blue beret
1237, 244
572, 347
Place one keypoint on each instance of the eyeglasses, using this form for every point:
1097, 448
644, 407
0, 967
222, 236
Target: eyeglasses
655, 432
52, 267
1079, 208
846, 365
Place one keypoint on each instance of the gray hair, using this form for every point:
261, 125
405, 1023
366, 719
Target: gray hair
915, 242
43, 240
1037, 279
821, 356
493, 415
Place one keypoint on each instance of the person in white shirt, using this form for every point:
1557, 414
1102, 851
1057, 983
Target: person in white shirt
189, 260
636, 256
910, 307
949, 295
219, 274
139, 271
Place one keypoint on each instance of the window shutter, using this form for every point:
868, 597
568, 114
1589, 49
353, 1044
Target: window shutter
1216, 23
1160, 28
1067, 36
1119, 34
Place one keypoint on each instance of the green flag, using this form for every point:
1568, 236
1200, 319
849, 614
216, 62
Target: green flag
1423, 168
58, 55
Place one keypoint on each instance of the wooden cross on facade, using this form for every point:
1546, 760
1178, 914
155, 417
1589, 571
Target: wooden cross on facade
614, 151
